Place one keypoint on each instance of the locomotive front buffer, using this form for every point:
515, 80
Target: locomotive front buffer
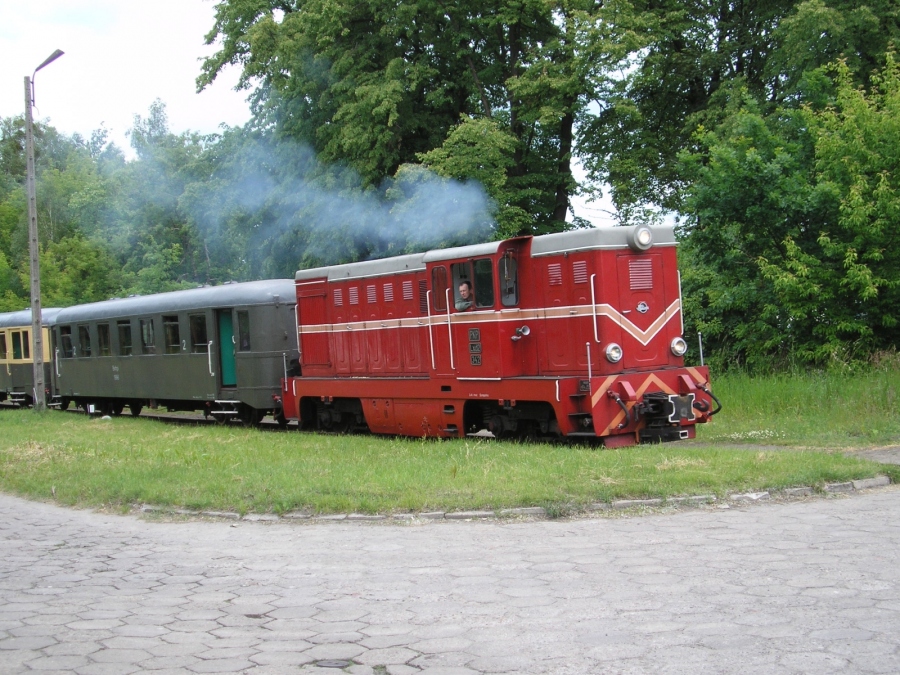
653, 408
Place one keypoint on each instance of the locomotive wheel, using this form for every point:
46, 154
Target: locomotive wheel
135, 408
251, 417
116, 408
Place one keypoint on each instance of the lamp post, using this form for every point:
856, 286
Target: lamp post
37, 338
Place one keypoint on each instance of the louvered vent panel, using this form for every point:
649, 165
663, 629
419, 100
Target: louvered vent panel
354, 296
579, 271
641, 273
338, 297
423, 296
407, 290
554, 274
370, 294
389, 292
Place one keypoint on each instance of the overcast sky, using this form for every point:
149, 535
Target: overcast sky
120, 56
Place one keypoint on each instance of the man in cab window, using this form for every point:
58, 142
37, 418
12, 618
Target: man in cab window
465, 302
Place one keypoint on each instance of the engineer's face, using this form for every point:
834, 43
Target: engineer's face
464, 291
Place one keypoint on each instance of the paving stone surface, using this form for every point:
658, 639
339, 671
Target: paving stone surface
750, 586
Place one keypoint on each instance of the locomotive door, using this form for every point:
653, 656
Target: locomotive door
476, 347
643, 308
226, 347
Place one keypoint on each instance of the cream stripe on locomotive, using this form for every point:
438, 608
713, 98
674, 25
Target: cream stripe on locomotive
605, 310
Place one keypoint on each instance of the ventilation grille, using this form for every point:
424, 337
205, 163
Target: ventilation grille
579, 271
641, 274
423, 296
389, 292
554, 274
407, 290
338, 297
354, 296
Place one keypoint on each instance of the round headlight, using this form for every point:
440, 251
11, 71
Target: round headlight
678, 346
613, 353
641, 238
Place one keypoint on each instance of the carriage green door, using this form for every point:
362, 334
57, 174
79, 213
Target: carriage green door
226, 348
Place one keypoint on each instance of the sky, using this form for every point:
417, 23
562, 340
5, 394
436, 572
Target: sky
120, 56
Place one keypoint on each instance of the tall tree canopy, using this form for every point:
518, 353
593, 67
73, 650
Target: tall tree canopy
378, 84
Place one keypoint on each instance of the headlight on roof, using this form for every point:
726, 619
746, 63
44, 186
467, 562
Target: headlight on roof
640, 238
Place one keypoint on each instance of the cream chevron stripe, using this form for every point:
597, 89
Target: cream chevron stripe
652, 379
547, 313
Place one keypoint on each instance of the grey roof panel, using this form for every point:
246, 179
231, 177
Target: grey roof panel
226, 295
367, 268
596, 237
23, 317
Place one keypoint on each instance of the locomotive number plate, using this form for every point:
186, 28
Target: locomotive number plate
474, 335
474, 347
476, 359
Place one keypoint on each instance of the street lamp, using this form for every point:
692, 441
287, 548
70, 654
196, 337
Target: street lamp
37, 338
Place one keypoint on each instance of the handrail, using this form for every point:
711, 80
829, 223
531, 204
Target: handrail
430, 327
594, 306
55, 364
449, 328
209, 358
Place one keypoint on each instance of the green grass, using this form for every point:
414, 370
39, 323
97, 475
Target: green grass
816, 410
115, 463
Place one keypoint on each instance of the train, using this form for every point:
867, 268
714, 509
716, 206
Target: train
572, 335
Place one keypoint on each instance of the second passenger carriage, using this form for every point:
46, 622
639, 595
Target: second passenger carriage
221, 350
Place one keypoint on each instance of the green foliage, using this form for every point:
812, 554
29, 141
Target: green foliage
792, 245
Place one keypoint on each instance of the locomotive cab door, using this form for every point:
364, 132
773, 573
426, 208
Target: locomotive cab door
475, 336
227, 368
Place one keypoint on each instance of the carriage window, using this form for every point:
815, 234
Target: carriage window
125, 348
21, 345
2, 346
509, 280
439, 288
84, 338
243, 331
65, 338
173, 339
148, 337
103, 341
199, 343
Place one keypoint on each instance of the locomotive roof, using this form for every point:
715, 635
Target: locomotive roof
367, 268
596, 237
226, 295
23, 317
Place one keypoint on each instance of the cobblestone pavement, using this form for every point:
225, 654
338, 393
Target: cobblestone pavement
794, 587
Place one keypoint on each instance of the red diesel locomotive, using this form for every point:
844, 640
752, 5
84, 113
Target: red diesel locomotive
576, 334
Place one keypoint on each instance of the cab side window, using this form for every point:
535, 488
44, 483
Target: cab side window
3, 356
509, 281
478, 279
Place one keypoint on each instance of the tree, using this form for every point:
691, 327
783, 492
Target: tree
377, 84
792, 241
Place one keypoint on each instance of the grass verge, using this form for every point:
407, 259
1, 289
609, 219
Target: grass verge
81, 461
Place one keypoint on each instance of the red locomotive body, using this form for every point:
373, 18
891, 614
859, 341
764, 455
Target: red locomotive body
576, 334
